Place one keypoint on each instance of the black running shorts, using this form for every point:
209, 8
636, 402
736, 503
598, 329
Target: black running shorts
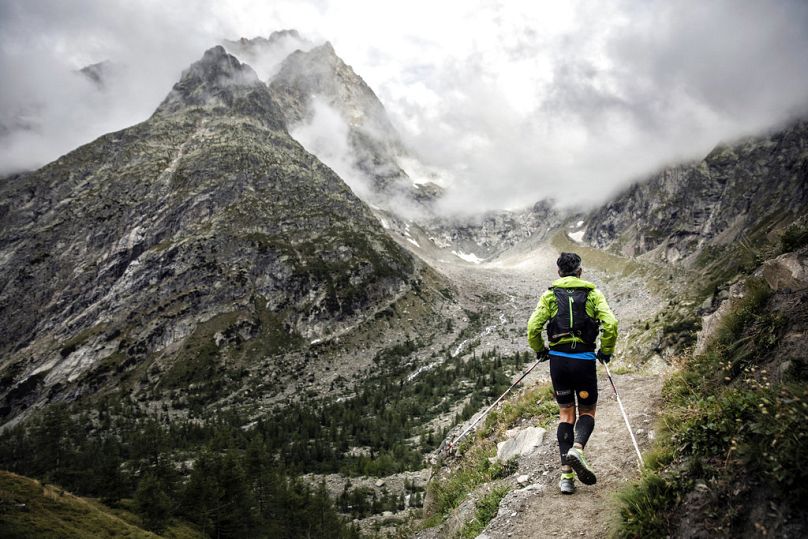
574, 377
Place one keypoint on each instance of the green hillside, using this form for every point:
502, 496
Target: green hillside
31, 509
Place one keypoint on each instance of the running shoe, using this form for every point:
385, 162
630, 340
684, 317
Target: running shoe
575, 458
567, 483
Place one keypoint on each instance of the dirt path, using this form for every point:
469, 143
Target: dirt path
540, 510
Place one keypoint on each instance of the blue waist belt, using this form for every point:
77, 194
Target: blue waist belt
575, 355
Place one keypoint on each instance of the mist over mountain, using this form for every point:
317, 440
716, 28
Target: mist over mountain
265, 55
533, 97
737, 193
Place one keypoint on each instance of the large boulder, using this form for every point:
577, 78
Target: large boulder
786, 271
522, 443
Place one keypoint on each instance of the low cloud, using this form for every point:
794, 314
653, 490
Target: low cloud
44, 44
266, 55
618, 92
325, 134
513, 102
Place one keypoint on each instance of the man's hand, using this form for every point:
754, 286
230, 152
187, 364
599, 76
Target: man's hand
543, 355
604, 358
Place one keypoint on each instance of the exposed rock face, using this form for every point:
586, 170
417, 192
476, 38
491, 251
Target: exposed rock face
319, 77
320, 72
788, 271
492, 233
732, 192
100, 72
205, 224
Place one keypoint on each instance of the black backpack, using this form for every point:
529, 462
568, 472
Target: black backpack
571, 318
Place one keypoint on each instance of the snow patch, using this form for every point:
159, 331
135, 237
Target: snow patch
578, 224
470, 257
577, 237
413, 242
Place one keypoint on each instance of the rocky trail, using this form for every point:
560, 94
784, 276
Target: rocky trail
538, 509
534, 507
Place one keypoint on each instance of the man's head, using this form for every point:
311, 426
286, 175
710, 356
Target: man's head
569, 264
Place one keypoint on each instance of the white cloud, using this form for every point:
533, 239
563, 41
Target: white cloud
325, 134
517, 101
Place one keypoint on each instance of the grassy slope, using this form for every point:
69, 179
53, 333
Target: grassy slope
729, 460
472, 470
29, 508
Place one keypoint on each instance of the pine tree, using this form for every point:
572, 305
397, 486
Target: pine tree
152, 503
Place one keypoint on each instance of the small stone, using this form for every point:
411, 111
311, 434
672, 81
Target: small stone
535, 487
514, 514
379, 483
522, 479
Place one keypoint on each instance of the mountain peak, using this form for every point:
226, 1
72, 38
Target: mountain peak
326, 49
98, 73
218, 78
266, 54
321, 72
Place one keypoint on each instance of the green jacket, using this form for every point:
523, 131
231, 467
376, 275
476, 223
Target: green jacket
596, 307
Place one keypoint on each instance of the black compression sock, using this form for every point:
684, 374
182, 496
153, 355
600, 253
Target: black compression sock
565, 435
583, 429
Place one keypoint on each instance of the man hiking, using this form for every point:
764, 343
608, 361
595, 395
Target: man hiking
575, 312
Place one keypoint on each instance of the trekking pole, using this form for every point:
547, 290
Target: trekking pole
625, 417
451, 444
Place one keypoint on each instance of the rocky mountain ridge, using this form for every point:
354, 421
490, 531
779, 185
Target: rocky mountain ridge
317, 82
476, 239
738, 193
167, 246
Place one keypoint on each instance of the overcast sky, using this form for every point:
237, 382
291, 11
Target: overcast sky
512, 101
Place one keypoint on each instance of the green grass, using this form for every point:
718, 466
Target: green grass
794, 237
596, 258
644, 507
623, 369
34, 509
486, 510
726, 423
537, 404
445, 494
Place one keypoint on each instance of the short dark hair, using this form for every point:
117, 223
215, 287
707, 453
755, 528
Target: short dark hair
568, 264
